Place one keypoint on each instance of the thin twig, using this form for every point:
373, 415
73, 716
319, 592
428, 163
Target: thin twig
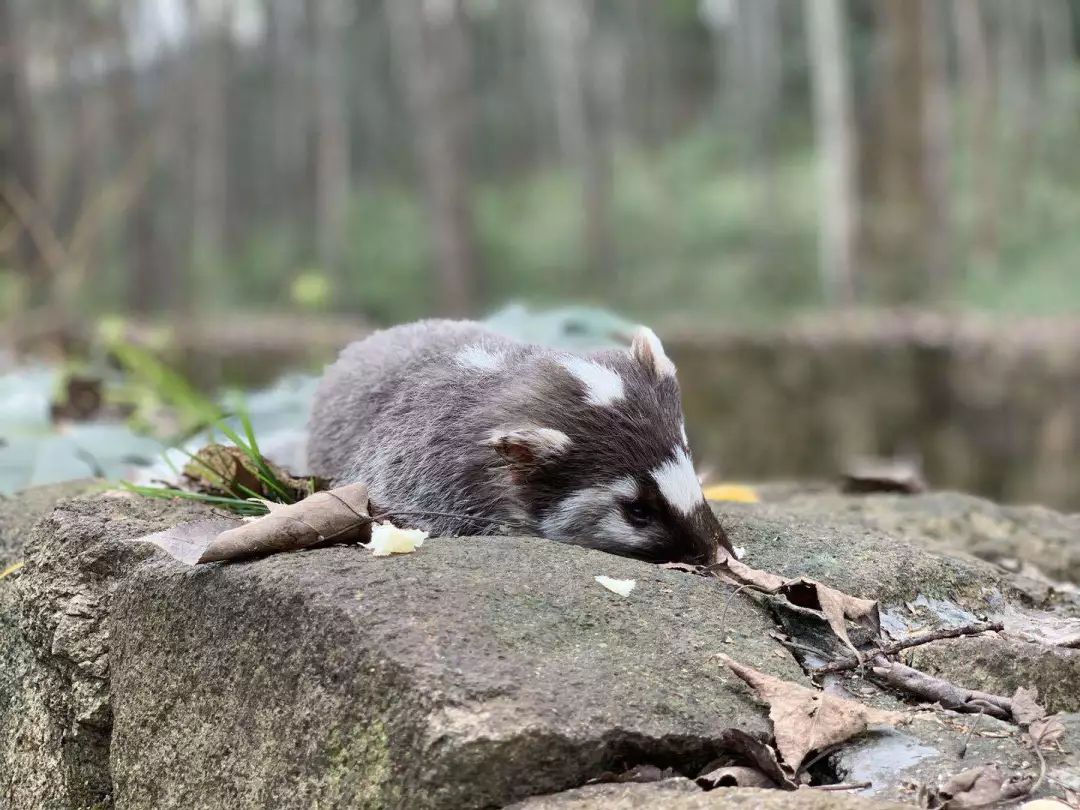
727, 604
843, 786
915, 641
967, 737
1042, 770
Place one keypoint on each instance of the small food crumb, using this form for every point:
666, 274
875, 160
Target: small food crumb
740, 552
387, 539
620, 586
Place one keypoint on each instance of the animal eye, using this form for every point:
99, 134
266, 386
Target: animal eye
639, 514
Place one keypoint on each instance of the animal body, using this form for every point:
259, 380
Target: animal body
495, 435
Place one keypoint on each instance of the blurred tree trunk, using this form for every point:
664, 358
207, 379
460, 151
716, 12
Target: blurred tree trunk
18, 166
288, 103
433, 54
905, 231
835, 125
331, 137
1021, 100
209, 146
148, 277
976, 78
567, 28
753, 95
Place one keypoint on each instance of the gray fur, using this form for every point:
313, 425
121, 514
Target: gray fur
432, 429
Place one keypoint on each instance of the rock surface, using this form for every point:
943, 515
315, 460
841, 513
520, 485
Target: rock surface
473, 673
682, 794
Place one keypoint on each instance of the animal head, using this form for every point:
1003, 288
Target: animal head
597, 453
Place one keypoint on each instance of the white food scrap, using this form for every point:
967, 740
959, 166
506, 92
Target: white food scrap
387, 539
620, 586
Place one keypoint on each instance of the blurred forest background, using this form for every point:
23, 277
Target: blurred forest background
727, 159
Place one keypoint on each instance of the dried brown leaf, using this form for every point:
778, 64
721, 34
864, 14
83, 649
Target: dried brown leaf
188, 541
806, 720
339, 514
837, 607
762, 757
1046, 732
870, 475
982, 787
743, 574
333, 515
1025, 707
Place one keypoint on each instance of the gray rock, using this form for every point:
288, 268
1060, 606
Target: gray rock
19, 512
682, 794
470, 674
473, 673
950, 522
55, 714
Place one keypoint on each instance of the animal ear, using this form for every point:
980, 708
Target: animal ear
528, 446
649, 351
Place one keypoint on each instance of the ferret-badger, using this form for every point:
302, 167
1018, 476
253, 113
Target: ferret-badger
470, 432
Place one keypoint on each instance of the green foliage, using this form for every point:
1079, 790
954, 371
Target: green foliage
239, 498
148, 375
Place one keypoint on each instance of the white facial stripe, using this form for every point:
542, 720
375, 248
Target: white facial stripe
678, 482
478, 357
602, 385
685, 440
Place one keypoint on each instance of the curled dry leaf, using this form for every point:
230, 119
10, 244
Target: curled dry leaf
984, 786
806, 720
334, 515
743, 574
836, 606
